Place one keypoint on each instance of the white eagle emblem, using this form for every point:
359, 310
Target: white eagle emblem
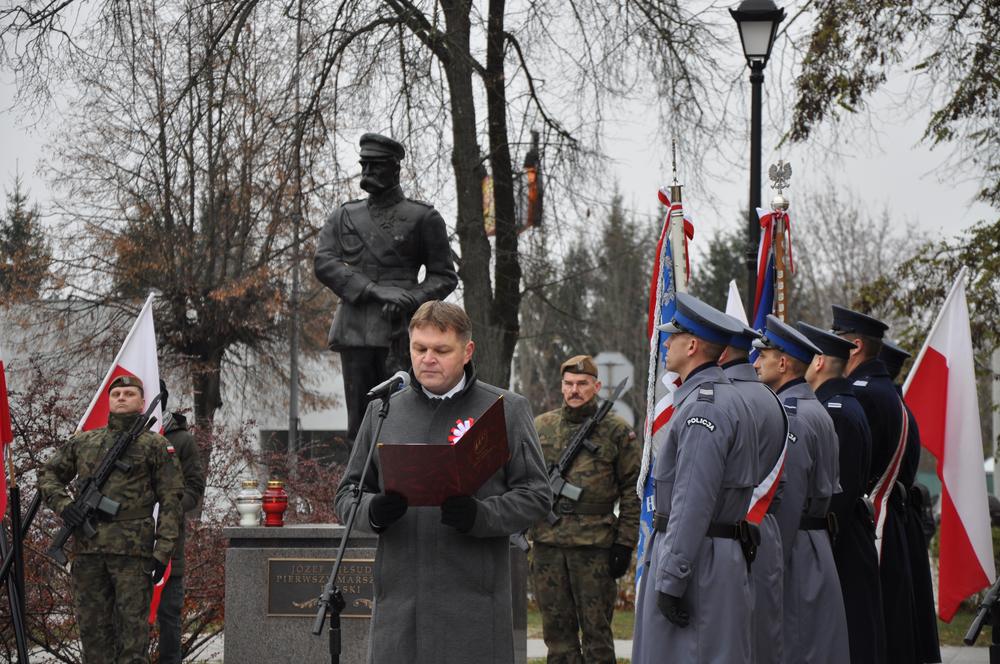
460, 428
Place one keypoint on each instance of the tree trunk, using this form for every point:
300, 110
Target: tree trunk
207, 382
474, 268
504, 327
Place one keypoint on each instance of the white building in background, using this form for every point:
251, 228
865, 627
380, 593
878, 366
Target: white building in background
83, 339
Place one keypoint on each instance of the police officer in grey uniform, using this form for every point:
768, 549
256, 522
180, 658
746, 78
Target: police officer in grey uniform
694, 602
369, 253
815, 626
854, 548
772, 430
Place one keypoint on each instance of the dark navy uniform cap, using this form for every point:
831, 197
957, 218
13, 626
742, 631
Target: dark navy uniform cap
893, 357
377, 146
744, 338
703, 321
845, 320
784, 337
827, 342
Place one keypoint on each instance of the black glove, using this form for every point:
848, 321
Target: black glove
459, 512
621, 556
673, 608
159, 569
386, 509
72, 516
399, 297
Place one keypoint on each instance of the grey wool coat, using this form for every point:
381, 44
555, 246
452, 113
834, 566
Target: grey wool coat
767, 573
815, 625
442, 596
704, 473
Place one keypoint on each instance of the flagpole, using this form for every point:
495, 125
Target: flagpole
959, 279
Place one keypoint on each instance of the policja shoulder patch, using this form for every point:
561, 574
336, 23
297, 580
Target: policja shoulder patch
702, 421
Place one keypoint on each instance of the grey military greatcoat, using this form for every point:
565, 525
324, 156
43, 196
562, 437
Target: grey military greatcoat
814, 622
704, 474
441, 596
768, 568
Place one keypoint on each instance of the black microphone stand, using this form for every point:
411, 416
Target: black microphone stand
332, 600
988, 608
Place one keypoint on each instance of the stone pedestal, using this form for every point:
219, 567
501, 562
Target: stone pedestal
274, 575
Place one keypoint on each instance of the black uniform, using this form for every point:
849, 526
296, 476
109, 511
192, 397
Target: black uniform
383, 240
928, 648
854, 548
884, 410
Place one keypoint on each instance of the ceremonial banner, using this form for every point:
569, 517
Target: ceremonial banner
941, 392
6, 436
661, 383
137, 357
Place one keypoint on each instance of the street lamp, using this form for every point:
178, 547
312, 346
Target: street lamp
758, 22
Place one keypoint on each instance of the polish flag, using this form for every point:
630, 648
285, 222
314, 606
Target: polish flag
6, 437
941, 392
137, 358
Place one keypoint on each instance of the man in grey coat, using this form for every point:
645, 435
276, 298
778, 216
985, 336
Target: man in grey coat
694, 602
442, 574
815, 627
771, 425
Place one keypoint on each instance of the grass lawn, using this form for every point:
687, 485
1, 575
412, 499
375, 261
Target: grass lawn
621, 624
951, 634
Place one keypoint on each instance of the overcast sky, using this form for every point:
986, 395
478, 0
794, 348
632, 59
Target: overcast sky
881, 162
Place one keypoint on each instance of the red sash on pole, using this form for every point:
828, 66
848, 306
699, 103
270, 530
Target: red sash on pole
883, 488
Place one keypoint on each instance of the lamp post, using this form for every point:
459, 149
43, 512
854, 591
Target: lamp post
758, 22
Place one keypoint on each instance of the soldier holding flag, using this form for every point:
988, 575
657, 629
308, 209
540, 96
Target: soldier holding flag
114, 570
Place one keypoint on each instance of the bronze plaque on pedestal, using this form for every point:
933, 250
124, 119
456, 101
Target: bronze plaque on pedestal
294, 586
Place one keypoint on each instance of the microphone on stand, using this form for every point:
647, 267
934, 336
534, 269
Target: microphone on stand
398, 381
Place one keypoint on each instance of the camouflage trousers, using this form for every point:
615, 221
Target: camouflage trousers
112, 595
575, 593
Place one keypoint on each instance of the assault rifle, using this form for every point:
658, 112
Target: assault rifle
557, 471
581, 439
89, 498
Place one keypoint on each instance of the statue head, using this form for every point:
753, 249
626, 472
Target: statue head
380, 157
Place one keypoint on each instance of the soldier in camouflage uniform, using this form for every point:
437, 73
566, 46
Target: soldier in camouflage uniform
175, 430
574, 563
113, 572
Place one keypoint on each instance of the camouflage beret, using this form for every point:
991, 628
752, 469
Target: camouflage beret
377, 146
126, 381
580, 364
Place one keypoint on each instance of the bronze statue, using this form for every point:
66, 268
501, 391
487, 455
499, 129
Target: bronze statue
369, 254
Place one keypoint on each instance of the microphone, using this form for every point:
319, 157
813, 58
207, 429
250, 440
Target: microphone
398, 381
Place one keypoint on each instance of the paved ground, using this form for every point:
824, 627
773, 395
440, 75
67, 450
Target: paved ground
536, 649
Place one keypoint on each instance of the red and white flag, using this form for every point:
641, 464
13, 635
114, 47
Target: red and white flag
137, 358
6, 437
941, 392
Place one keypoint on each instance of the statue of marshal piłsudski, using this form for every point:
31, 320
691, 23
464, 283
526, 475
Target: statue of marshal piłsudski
369, 254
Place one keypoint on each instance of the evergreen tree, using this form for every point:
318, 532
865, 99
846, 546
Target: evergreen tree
24, 250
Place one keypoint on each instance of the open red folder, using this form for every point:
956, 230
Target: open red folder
427, 473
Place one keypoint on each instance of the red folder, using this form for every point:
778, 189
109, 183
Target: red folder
427, 473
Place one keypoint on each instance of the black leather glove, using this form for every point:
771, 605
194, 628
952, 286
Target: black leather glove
72, 516
386, 509
673, 609
159, 569
399, 297
621, 556
459, 512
